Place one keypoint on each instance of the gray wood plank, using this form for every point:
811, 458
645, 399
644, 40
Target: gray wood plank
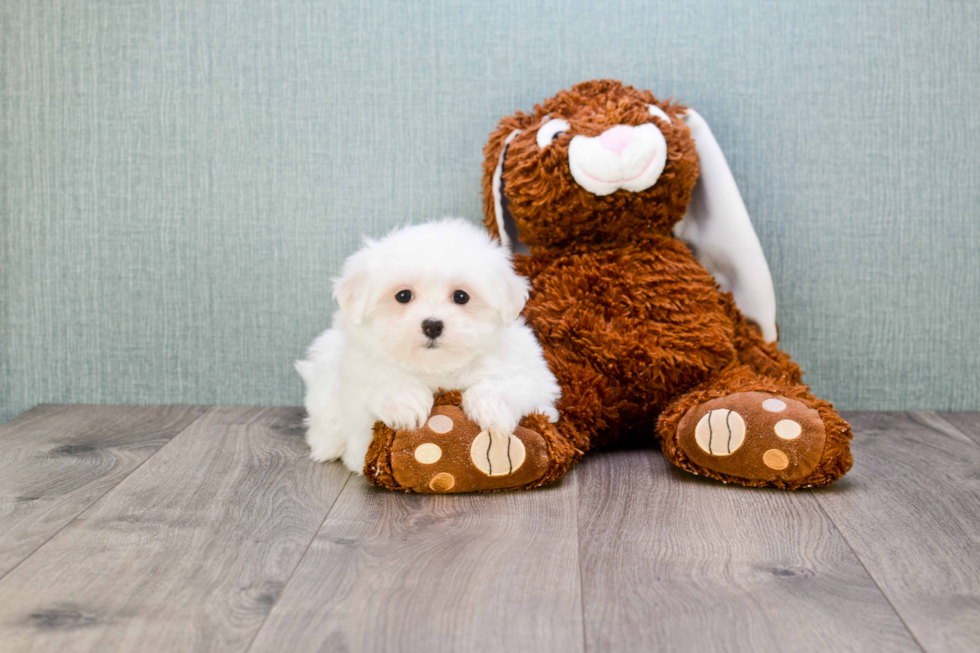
456, 573
57, 460
672, 562
910, 509
188, 553
967, 423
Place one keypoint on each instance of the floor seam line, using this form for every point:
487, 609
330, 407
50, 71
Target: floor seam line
874, 580
292, 572
578, 550
103, 495
939, 415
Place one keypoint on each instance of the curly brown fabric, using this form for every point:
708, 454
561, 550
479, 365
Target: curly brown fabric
635, 329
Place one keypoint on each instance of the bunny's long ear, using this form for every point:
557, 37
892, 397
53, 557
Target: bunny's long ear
720, 233
505, 223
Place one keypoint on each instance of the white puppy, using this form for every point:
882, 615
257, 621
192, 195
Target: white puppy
431, 306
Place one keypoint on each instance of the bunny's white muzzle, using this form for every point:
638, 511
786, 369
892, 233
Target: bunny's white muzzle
621, 158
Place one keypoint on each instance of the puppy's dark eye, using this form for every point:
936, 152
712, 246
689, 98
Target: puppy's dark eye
403, 296
460, 297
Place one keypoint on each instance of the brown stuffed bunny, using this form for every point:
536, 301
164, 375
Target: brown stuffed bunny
591, 191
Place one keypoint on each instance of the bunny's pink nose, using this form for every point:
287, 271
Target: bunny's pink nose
616, 139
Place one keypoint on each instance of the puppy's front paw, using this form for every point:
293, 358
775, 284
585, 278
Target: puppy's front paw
405, 409
548, 411
325, 446
490, 410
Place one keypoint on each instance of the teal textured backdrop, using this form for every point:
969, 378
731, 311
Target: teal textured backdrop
180, 179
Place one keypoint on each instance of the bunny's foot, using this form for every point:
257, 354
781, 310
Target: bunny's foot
758, 438
451, 453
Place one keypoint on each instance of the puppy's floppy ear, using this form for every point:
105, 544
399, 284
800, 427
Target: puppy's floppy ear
719, 231
351, 290
513, 294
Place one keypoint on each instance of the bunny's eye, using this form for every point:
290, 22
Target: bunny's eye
550, 130
657, 112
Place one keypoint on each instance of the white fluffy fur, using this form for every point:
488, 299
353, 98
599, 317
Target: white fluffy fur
376, 363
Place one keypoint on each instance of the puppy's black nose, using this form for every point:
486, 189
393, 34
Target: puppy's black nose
432, 328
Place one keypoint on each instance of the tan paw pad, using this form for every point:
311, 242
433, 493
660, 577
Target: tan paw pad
442, 482
428, 453
440, 424
787, 429
774, 405
775, 459
720, 432
496, 454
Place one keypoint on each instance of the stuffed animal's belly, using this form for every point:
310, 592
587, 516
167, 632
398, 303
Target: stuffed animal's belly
636, 326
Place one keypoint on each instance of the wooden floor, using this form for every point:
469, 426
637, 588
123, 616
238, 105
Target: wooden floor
174, 528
